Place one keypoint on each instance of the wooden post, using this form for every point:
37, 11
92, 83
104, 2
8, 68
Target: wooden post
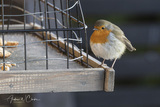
109, 80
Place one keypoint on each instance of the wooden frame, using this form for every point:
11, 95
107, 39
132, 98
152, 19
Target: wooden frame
64, 80
38, 81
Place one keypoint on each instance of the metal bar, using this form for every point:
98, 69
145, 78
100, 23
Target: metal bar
64, 34
13, 20
34, 19
67, 20
30, 43
49, 26
42, 59
10, 9
51, 5
45, 7
57, 9
85, 31
86, 41
41, 30
3, 34
25, 47
70, 26
41, 15
79, 34
55, 16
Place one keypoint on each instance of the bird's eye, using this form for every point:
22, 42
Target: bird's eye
102, 27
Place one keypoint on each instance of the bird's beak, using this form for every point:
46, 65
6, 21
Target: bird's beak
95, 29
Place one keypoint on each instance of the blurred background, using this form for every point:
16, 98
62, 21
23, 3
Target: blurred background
137, 82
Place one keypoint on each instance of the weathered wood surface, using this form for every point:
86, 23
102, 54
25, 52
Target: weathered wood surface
64, 80
35, 51
16, 27
110, 73
109, 80
91, 61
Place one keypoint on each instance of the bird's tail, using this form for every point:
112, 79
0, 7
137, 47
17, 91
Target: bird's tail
129, 45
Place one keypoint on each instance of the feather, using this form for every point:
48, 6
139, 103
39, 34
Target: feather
119, 34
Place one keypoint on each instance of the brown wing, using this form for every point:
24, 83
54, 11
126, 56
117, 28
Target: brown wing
117, 32
128, 44
120, 35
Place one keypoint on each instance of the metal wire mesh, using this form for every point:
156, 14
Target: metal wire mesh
63, 18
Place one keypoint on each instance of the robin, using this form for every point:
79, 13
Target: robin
108, 41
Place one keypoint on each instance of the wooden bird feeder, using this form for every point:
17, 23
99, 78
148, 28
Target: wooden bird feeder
58, 79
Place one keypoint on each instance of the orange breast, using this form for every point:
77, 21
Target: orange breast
99, 36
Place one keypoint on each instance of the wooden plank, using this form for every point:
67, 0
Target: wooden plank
64, 80
109, 80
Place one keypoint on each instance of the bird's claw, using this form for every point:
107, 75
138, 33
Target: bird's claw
102, 65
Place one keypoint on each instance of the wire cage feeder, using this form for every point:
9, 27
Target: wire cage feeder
29, 31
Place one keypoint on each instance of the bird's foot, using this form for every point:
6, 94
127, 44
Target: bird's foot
102, 65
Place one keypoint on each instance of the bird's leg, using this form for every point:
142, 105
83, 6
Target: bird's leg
103, 63
114, 62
